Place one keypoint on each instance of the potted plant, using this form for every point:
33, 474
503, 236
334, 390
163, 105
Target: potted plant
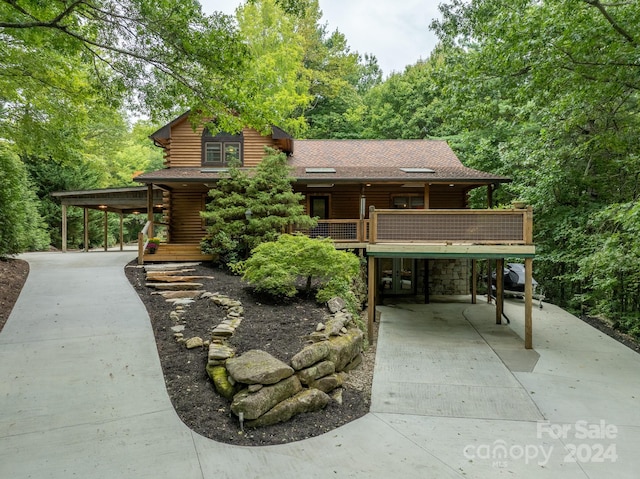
152, 245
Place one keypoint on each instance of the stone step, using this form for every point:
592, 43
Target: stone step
174, 286
170, 278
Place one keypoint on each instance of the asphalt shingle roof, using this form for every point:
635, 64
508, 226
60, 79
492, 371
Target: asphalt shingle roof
359, 160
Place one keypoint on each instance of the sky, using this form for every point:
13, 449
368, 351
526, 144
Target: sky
396, 32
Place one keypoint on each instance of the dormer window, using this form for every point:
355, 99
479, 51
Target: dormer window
222, 149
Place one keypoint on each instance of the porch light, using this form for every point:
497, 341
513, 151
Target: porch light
451, 185
103, 207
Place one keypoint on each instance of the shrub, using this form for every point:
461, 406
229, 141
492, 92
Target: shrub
276, 268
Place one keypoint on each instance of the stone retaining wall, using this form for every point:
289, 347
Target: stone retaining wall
264, 390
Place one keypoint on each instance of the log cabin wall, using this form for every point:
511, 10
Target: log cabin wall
185, 146
186, 226
254, 145
444, 196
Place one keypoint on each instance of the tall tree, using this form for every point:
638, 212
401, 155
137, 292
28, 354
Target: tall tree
556, 82
245, 211
18, 208
275, 77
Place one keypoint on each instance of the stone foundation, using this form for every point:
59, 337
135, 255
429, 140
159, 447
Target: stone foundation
447, 276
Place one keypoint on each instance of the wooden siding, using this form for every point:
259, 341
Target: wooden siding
254, 144
185, 146
446, 197
184, 149
186, 226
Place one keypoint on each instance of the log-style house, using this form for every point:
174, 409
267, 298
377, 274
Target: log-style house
402, 203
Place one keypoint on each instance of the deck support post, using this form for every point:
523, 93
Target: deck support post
371, 309
474, 281
499, 289
489, 281
427, 291
528, 303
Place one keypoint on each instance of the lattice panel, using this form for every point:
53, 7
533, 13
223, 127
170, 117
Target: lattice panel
335, 231
464, 228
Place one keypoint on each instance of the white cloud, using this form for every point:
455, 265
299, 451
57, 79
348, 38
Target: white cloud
395, 31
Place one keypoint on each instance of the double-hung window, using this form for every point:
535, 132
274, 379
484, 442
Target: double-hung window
221, 149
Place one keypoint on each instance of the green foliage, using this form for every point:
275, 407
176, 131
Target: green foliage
275, 77
21, 227
547, 93
267, 193
277, 267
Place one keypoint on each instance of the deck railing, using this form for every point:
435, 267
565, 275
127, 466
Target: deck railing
511, 226
461, 226
340, 231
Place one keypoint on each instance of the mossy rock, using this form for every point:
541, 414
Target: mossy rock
220, 378
307, 400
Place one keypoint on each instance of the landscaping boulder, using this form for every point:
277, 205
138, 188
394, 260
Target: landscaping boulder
220, 378
254, 405
328, 383
220, 351
316, 371
355, 362
308, 400
336, 304
310, 355
195, 342
343, 349
336, 323
258, 367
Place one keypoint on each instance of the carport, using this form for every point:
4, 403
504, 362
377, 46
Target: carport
455, 234
128, 200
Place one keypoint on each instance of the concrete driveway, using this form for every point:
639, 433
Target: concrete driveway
82, 394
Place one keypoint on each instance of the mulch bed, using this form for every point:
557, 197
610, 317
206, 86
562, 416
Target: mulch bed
604, 326
13, 274
276, 327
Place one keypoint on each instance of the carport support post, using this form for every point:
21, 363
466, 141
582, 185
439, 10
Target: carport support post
106, 230
64, 228
499, 289
372, 297
121, 231
528, 303
86, 229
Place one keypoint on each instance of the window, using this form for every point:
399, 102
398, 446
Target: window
408, 202
221, 149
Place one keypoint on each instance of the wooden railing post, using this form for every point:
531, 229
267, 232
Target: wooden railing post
373, 225
140, 248
528, 225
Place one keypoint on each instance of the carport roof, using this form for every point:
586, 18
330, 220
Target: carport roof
124, 200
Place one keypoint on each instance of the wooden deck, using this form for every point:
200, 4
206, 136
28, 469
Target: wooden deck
171, 252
